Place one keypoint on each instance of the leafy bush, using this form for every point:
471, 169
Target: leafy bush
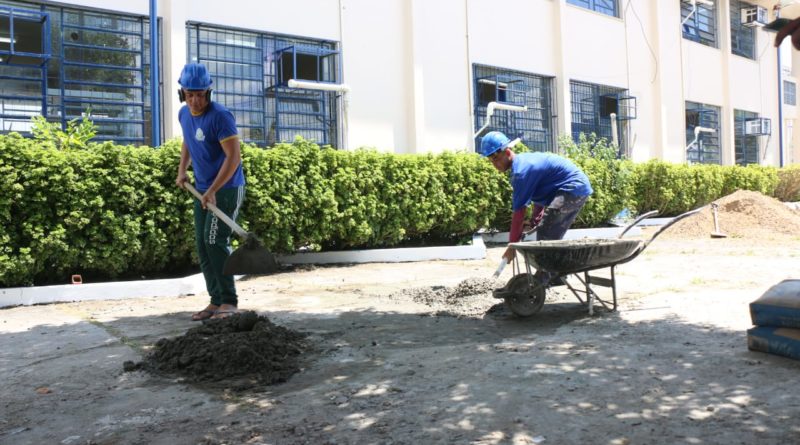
611, 178
788, 188
78, 133
673, 189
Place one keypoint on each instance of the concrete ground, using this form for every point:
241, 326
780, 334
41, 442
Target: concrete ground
670, 367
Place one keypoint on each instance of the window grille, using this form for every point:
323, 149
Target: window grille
534, 126
247, 69
701, 27
742, 37
608, 7
745, 146
789, 93
98, 62
591, 106
707, 148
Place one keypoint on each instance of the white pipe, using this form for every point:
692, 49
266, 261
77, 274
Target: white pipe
697, 131
614, 136
498, 106
323, 86
694, 8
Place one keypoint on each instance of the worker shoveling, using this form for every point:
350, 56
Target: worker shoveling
251, 258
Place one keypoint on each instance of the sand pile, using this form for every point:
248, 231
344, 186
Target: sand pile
742, 214
243, 345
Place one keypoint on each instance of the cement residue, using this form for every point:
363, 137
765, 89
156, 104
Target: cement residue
243, 345
742, 214
470, 297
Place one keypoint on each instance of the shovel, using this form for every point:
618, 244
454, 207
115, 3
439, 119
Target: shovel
251, 258
716, 233
503, 262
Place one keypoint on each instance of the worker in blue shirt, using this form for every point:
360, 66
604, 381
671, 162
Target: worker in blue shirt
211, 146
556, 187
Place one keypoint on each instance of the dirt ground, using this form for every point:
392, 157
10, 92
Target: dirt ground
390, 365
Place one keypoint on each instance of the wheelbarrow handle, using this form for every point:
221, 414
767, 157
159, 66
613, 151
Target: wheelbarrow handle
637, 220
674, 220
216, 211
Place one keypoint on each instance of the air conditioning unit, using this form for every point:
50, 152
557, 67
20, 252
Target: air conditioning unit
758, 127
753, 16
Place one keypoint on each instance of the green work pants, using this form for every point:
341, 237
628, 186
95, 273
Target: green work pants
213, 241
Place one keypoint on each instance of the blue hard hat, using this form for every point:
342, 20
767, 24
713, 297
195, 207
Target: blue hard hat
195, 77
493, 142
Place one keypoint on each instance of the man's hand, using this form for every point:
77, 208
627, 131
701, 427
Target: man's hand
209, 197
181, 179
509, 254
792, 28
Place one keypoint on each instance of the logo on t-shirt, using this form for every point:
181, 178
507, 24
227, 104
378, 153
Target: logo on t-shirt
199, 135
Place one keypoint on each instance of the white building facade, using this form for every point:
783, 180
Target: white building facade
415, 76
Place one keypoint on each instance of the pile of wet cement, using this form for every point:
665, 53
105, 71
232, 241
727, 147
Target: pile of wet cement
242, 345
472, 296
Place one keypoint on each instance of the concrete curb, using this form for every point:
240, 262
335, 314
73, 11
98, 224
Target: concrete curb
195, 284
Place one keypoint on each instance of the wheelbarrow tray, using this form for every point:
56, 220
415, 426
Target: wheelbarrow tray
572, 256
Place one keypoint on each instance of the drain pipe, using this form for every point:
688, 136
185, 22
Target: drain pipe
155, 101
780, 100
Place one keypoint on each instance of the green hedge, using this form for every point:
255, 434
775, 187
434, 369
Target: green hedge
673, 189
106, 210
112, 211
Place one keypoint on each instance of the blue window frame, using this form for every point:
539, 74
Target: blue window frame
592, 106
534, 126
746, 147
789, 93
701, 26
99, 62
608, 7
249, 70
743, 38
707, 148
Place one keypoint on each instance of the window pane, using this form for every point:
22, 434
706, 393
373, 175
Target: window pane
534, 126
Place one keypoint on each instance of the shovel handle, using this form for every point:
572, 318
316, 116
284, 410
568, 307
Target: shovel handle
216, 211
500, 268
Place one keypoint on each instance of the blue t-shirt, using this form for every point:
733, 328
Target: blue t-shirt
537, 177
204, 135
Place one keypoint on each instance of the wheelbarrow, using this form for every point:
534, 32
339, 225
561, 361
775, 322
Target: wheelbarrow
555, 261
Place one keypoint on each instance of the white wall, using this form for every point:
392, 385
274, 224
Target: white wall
409, 63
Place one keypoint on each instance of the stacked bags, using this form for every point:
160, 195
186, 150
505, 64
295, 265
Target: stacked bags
776, 316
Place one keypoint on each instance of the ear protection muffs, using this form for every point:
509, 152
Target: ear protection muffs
182, 95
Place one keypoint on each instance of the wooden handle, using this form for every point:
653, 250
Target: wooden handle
216, 211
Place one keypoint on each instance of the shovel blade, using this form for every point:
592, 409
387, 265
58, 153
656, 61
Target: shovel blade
251, 258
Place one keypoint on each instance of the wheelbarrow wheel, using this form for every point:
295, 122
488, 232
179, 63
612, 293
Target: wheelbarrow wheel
522, 298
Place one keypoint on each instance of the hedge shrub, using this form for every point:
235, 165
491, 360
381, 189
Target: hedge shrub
673, 189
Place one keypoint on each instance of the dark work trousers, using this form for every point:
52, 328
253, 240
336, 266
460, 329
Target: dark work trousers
213, 241
559, 215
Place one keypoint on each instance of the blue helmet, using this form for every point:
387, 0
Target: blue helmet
493, 142
195, 77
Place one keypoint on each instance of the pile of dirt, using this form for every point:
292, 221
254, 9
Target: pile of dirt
742, 214
242, 345
470, 297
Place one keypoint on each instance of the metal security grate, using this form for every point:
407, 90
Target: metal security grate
24, 53
707, 149
245, 68
535, 126
742, 37
96, 61
745, 146
789, 93
592, 106
608, 7
701, 27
